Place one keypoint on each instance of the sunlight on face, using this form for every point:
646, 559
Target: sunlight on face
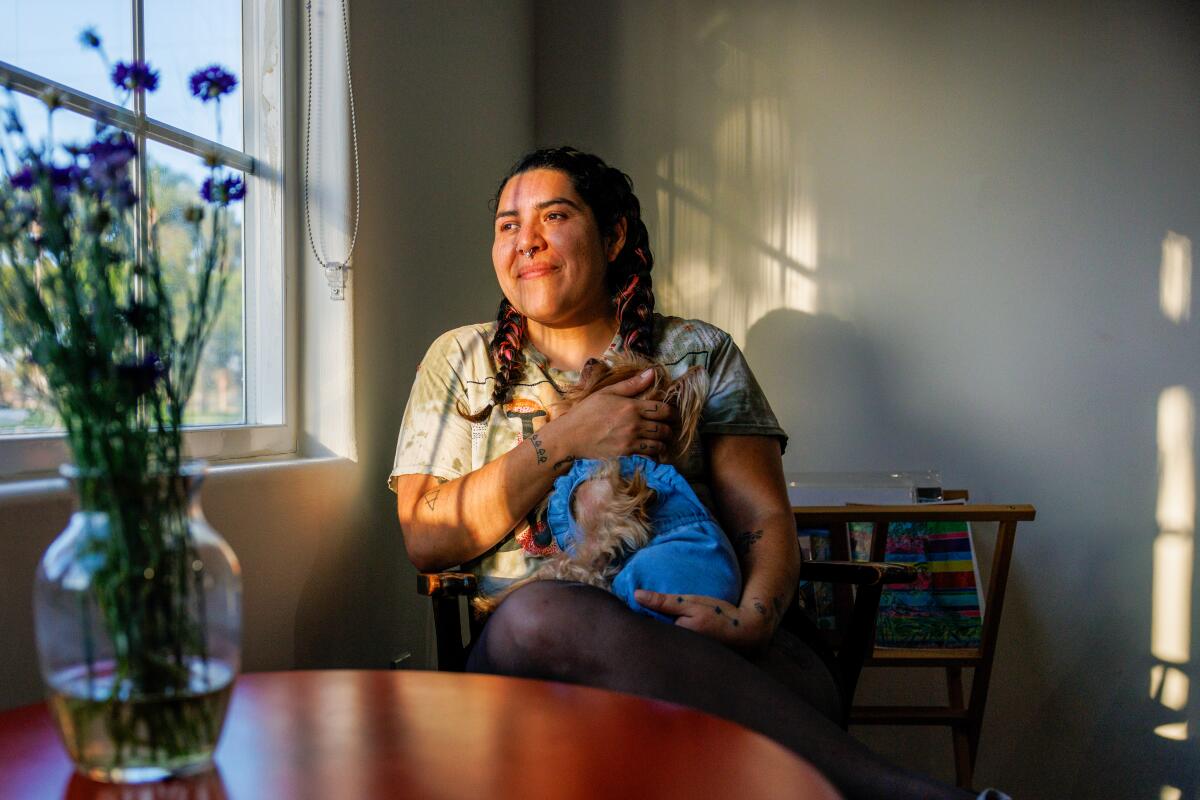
548, 253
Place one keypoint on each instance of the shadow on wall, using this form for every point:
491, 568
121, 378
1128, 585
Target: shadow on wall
829, 395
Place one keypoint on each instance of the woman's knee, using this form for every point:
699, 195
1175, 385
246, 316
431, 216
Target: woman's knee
535, 631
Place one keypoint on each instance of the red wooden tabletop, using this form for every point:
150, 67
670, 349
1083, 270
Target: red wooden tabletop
350, 734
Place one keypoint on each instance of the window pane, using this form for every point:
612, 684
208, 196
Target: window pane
43, 37
182, 37
175, 178
22, 409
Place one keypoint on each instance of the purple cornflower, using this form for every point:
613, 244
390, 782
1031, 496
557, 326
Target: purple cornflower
64, 177
60, 177
133, 75
109, 155
212, 83
22, 179
89, 38
141, 376
223, 191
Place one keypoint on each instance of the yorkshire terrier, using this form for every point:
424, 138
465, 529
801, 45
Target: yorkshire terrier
631, 523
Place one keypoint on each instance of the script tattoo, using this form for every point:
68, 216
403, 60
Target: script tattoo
745, 540
536, 441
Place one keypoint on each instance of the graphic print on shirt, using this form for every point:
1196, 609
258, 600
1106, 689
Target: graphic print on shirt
527, 411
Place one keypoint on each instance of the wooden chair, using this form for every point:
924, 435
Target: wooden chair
963, 718
445, 588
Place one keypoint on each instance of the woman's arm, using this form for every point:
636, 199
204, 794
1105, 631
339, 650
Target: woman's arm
752, 506
453, 522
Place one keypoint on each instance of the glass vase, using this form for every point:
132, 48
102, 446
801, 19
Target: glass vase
137, 607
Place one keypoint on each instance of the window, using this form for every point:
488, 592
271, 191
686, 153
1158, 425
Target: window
239, 405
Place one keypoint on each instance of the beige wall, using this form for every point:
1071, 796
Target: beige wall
936, 229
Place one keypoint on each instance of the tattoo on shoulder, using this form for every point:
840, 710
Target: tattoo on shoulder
745, 540
536, 441
431, 499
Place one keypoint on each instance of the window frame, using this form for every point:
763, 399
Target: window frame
268, 320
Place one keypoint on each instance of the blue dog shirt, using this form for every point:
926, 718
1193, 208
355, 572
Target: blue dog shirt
688, 553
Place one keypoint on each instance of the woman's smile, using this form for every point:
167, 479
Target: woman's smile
536, 270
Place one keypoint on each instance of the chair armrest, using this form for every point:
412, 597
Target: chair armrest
447, 584
861, 573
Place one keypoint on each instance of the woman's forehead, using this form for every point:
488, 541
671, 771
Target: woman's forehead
537, 187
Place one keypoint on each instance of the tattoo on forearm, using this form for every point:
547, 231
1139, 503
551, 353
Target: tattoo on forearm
536, 441
562, 462
431, 499
745, 540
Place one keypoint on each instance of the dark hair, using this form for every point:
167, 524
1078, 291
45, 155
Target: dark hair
608, 192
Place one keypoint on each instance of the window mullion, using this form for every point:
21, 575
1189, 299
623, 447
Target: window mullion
142, 178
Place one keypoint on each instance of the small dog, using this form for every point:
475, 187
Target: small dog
631, 523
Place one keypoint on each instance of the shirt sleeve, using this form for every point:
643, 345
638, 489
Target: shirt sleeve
736, 404
435, 439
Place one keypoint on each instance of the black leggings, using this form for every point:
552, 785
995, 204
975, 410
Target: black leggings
579, 634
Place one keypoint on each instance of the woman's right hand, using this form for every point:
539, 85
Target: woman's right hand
614, 422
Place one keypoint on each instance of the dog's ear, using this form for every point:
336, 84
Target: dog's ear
687, 393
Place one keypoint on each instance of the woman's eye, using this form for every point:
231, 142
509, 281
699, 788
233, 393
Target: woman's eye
508, 227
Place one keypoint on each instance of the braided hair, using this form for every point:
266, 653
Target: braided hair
608, 192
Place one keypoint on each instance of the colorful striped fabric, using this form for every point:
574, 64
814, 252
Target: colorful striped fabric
942, 608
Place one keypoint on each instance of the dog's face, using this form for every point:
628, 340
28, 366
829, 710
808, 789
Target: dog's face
686, 393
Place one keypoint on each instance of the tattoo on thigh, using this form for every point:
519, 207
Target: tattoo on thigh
536, 441
441, 480
431, 499
745, 540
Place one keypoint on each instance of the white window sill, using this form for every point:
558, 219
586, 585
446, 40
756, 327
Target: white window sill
46, 487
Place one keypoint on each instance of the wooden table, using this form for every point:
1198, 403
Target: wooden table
348, 734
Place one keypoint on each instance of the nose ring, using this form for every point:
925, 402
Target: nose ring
527, 253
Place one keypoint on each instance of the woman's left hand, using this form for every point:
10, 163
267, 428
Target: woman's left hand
740, 628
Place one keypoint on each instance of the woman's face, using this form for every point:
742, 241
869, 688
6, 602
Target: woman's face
548, 253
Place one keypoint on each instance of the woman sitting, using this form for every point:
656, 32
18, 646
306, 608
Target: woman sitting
478, 451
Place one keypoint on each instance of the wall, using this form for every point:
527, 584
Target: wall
326, 580
937, 230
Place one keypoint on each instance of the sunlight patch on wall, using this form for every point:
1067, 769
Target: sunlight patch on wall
1170, 630
1169, 686
737, 234
1175, 278
1176, 731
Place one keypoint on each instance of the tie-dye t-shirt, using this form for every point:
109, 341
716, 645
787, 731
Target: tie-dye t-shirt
458, 373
